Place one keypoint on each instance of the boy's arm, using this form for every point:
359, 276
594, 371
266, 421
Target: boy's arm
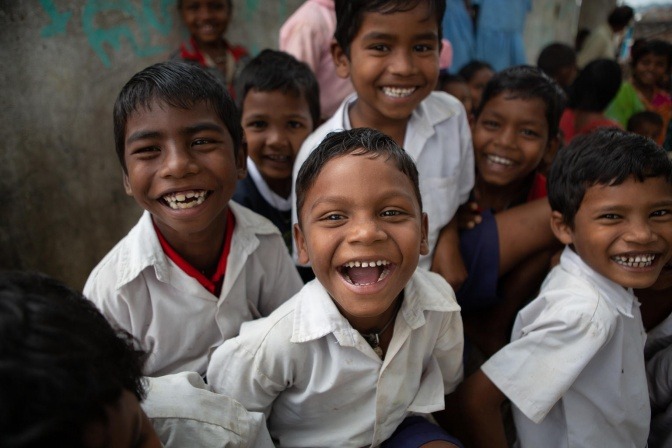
447, 260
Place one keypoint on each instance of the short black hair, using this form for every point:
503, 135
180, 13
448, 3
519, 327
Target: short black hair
350, 15
554, 57
276, 70
469, 70
644, 47
447, 78
645, 116
229, 4
180, 85
606, 156
357, 142
61, 363
596, 85
620, 16
527, 82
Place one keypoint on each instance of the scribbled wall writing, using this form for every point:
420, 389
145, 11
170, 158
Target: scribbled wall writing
107, 24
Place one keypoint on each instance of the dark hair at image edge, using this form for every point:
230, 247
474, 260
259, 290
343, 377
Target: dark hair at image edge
607, 156
177, 84
62, 363
358, 142
527, 82
275, 70
350, 15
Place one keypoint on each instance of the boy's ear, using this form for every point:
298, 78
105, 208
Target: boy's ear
127, 184
341, 60
241, 160
561, 229
424, 243
300, 240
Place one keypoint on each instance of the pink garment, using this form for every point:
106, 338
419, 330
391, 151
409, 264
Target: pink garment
307, 35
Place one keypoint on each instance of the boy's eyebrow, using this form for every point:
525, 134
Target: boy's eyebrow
377, 35
189, 130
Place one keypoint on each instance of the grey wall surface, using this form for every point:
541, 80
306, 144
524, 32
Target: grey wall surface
63, 63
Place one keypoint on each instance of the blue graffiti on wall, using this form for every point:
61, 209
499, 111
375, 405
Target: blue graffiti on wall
144, 17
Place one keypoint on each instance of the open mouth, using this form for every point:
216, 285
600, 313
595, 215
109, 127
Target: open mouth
278, 158
185, 199
635, 261
363, 273
498, 160
398, 92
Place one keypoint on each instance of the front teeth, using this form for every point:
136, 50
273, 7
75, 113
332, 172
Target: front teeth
178, 201
366, 264
398, 92
639, 261
499, 160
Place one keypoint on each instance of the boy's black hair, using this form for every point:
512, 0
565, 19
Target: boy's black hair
350, 15
644, 47
620, 17
527, 82
229, 4
554, 57
596, 85
61, 363
472, 67
447, 78
645, 116
177, 84
357, 142
276, 70
606, 156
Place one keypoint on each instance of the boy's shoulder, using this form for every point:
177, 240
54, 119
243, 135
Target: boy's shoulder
440, 106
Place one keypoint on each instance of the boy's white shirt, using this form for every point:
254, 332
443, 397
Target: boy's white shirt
319, 382
438, 139
184, 412
138, 288
574, 369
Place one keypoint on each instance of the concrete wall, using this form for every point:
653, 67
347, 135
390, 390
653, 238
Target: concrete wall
64, 62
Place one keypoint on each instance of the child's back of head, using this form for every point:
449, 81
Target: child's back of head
596, 86
63, 366
605, 157
646, 123
558, 61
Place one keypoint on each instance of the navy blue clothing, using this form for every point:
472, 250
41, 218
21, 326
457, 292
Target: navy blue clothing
415, 431
247, 194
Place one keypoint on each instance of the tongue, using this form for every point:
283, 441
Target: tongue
362, 276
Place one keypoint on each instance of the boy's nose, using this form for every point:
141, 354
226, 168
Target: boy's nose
178, 163
506, 136
640, 232
276, 137
402, 63
366, 231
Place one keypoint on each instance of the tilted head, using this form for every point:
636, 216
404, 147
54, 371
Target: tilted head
350, 14
63, 366
558, 61
179, 85
607, 156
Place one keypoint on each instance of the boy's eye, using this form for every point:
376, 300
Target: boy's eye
146, 150
332, 217
379, 47
295, 124
391, 213
610, 216
529, 133
421, 48
201, 141
660, 213
490, 124
257, 124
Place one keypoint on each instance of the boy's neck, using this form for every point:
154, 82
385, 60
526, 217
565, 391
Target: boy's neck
499, 197
360, 118
201, 250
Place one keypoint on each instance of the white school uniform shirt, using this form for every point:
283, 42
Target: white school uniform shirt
185, 413
574, 369
439, 141
138, 288
319, 382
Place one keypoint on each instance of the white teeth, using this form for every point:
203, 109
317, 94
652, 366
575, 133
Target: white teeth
366, 264
639, 261
499, 160
398, 92
176, 201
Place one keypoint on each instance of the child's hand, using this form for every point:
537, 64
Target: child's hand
447, 260
468, 216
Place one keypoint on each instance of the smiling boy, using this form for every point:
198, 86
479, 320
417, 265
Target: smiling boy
372, 339
196, 265
574, 370
390, 52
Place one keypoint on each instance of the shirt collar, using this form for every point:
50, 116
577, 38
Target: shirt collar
622, 298
277, 201
316, 315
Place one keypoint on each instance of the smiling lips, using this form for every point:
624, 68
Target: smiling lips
498, 160
185, 199
637, 261
364, 273
398, 92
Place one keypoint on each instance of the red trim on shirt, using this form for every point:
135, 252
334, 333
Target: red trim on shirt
214, 283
